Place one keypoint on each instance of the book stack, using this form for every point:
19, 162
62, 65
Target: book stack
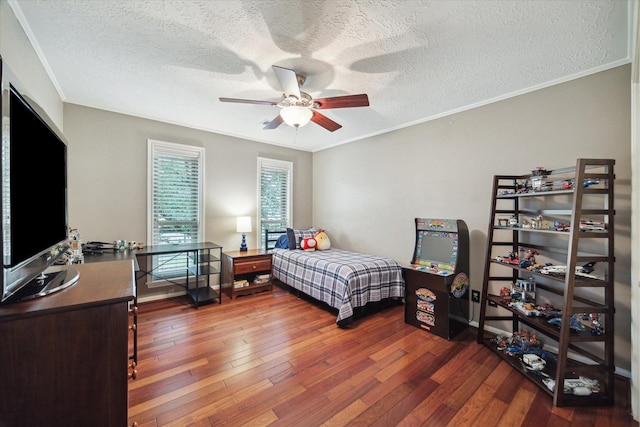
262, 279
240, 283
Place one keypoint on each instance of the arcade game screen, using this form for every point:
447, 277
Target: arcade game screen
436, 251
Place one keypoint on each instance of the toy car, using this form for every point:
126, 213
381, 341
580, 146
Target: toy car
582, 271
586, 225
533, 362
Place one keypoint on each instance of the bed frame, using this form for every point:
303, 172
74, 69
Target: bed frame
270, 238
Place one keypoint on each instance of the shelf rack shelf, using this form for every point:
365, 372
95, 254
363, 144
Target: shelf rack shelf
550, 214
204, 264
200, 262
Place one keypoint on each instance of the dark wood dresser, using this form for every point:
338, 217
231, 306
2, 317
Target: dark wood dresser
64, 357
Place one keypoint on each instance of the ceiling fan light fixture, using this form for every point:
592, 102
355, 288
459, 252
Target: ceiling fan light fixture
296, 116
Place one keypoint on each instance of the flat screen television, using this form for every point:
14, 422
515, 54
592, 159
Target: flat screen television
34, 197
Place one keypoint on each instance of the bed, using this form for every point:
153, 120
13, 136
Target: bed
342, 279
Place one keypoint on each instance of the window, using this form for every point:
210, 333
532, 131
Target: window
274, 195
175, 201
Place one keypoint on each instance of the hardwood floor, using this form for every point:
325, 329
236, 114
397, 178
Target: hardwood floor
279, 360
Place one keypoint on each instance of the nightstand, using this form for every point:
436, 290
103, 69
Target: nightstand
246, 272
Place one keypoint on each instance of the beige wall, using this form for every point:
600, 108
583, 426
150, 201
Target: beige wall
367, 193
16, 50
108, 177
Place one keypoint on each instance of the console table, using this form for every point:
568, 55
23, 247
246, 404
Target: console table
203, 259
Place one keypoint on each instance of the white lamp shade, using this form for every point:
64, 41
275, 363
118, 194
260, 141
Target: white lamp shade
244, 224
296, 116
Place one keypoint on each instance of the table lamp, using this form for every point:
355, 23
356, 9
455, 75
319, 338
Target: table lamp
244, 226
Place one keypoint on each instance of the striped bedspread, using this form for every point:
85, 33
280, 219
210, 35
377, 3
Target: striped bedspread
342, 279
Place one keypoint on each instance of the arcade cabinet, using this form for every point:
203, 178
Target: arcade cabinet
437, 282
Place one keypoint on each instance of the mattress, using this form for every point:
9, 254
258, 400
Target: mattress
342, 279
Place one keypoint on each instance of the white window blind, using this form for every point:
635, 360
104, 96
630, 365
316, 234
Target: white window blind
175, 201
274, 198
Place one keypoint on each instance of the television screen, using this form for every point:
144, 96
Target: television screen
34, 197
37, 182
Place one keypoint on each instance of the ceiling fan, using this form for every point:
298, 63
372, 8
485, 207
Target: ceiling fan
297, 108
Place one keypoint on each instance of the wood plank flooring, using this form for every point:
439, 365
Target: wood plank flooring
279, 360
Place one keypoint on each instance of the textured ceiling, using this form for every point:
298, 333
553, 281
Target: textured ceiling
171, 60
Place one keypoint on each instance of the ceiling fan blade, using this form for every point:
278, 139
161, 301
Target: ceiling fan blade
274, 123
325, 122
288, 81
247, 101
346, 101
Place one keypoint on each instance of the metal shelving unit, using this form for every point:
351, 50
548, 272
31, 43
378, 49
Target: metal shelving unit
204, 264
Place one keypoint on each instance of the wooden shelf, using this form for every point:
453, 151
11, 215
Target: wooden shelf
537, 377
253, 288
579, 352
541, 323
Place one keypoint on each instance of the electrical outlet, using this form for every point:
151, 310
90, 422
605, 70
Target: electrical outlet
475, 296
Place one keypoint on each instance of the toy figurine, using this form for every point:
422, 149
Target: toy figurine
596, 325
539, 171
505, 294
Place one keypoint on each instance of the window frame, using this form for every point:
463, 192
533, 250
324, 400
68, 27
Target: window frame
284, 166
154, 148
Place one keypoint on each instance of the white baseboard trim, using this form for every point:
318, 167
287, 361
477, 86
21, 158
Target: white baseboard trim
157, 297
164, 283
